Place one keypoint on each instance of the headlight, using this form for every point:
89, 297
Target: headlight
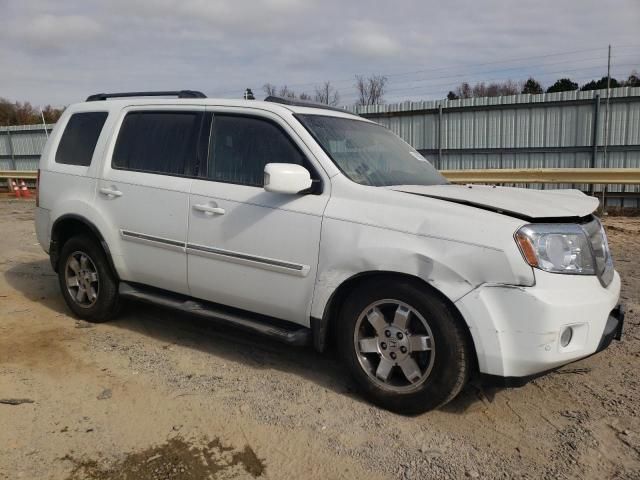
558, 248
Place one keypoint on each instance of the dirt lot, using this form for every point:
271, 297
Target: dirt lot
159, 395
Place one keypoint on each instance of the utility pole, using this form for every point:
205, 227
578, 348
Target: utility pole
439, 166
606, 128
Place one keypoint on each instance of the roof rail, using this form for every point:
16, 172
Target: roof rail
169, 93
304, 103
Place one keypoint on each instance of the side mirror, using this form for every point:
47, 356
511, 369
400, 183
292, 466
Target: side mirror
286, 178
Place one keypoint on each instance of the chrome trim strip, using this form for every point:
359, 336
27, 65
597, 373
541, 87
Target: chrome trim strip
145, 239
218, 253
250, 260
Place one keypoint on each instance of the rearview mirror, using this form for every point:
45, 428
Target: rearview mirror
286, 178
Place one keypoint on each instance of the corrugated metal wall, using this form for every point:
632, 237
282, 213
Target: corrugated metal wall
554, 130
21, 146
519, 131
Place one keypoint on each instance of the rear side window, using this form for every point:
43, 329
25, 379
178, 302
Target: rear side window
158, 142
80, 137
242, 146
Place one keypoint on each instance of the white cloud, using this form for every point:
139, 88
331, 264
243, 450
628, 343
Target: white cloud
49, 31
59, 52
368, 39
248, 16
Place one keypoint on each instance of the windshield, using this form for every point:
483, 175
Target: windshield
370, 154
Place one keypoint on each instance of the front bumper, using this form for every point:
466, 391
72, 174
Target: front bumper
516, 330
612, 331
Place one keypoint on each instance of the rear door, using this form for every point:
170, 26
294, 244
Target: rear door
144, 192
249, 248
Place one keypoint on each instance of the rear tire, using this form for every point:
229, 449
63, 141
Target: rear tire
86, 280
405, 349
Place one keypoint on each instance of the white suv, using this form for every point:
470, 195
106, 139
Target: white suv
315, 226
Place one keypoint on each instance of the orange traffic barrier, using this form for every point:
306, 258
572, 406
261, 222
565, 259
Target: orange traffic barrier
15, 188
24, 190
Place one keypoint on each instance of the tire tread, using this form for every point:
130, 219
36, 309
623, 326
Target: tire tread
109, 302
429, 396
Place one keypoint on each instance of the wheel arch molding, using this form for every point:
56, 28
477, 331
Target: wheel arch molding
323, 327
68, 225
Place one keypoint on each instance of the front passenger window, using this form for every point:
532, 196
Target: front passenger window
242, 146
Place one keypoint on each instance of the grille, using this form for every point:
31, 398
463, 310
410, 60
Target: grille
600, 248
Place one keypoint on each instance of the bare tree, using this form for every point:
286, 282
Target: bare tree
510, 87
482, 89
371, 90
633, 80
326, 93
479, 90
286, 92
464, 91
274, 91
270, 89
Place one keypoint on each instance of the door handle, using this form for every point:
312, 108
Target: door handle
111, 192
209, 210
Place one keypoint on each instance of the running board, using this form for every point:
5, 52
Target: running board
286, 332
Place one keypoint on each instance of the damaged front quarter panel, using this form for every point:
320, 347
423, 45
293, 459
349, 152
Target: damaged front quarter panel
453, 248
454, 268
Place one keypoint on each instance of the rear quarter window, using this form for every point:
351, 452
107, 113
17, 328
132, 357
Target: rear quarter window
79, 138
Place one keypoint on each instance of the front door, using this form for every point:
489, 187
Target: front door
248, 248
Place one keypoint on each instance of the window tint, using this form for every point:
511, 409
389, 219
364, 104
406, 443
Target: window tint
159, 142
242, 146
80, 137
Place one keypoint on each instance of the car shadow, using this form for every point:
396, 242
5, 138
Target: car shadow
474, 396
38, 282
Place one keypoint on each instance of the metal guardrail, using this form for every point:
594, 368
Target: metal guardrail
590, 176
629, 176
20, 174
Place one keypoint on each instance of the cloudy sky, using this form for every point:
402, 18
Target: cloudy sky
59, 51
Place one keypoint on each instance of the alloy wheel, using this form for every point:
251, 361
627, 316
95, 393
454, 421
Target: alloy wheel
394, 345
81, 279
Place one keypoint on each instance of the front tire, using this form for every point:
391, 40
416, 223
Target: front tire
405, 349
86, 280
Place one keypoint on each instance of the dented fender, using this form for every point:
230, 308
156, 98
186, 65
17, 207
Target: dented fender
454, 268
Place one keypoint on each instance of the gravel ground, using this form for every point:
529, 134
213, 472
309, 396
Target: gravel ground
160, 395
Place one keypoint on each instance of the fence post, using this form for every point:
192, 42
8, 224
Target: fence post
439, 136
13, 158
594, 137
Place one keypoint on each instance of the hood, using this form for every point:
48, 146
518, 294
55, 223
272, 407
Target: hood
517, 202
